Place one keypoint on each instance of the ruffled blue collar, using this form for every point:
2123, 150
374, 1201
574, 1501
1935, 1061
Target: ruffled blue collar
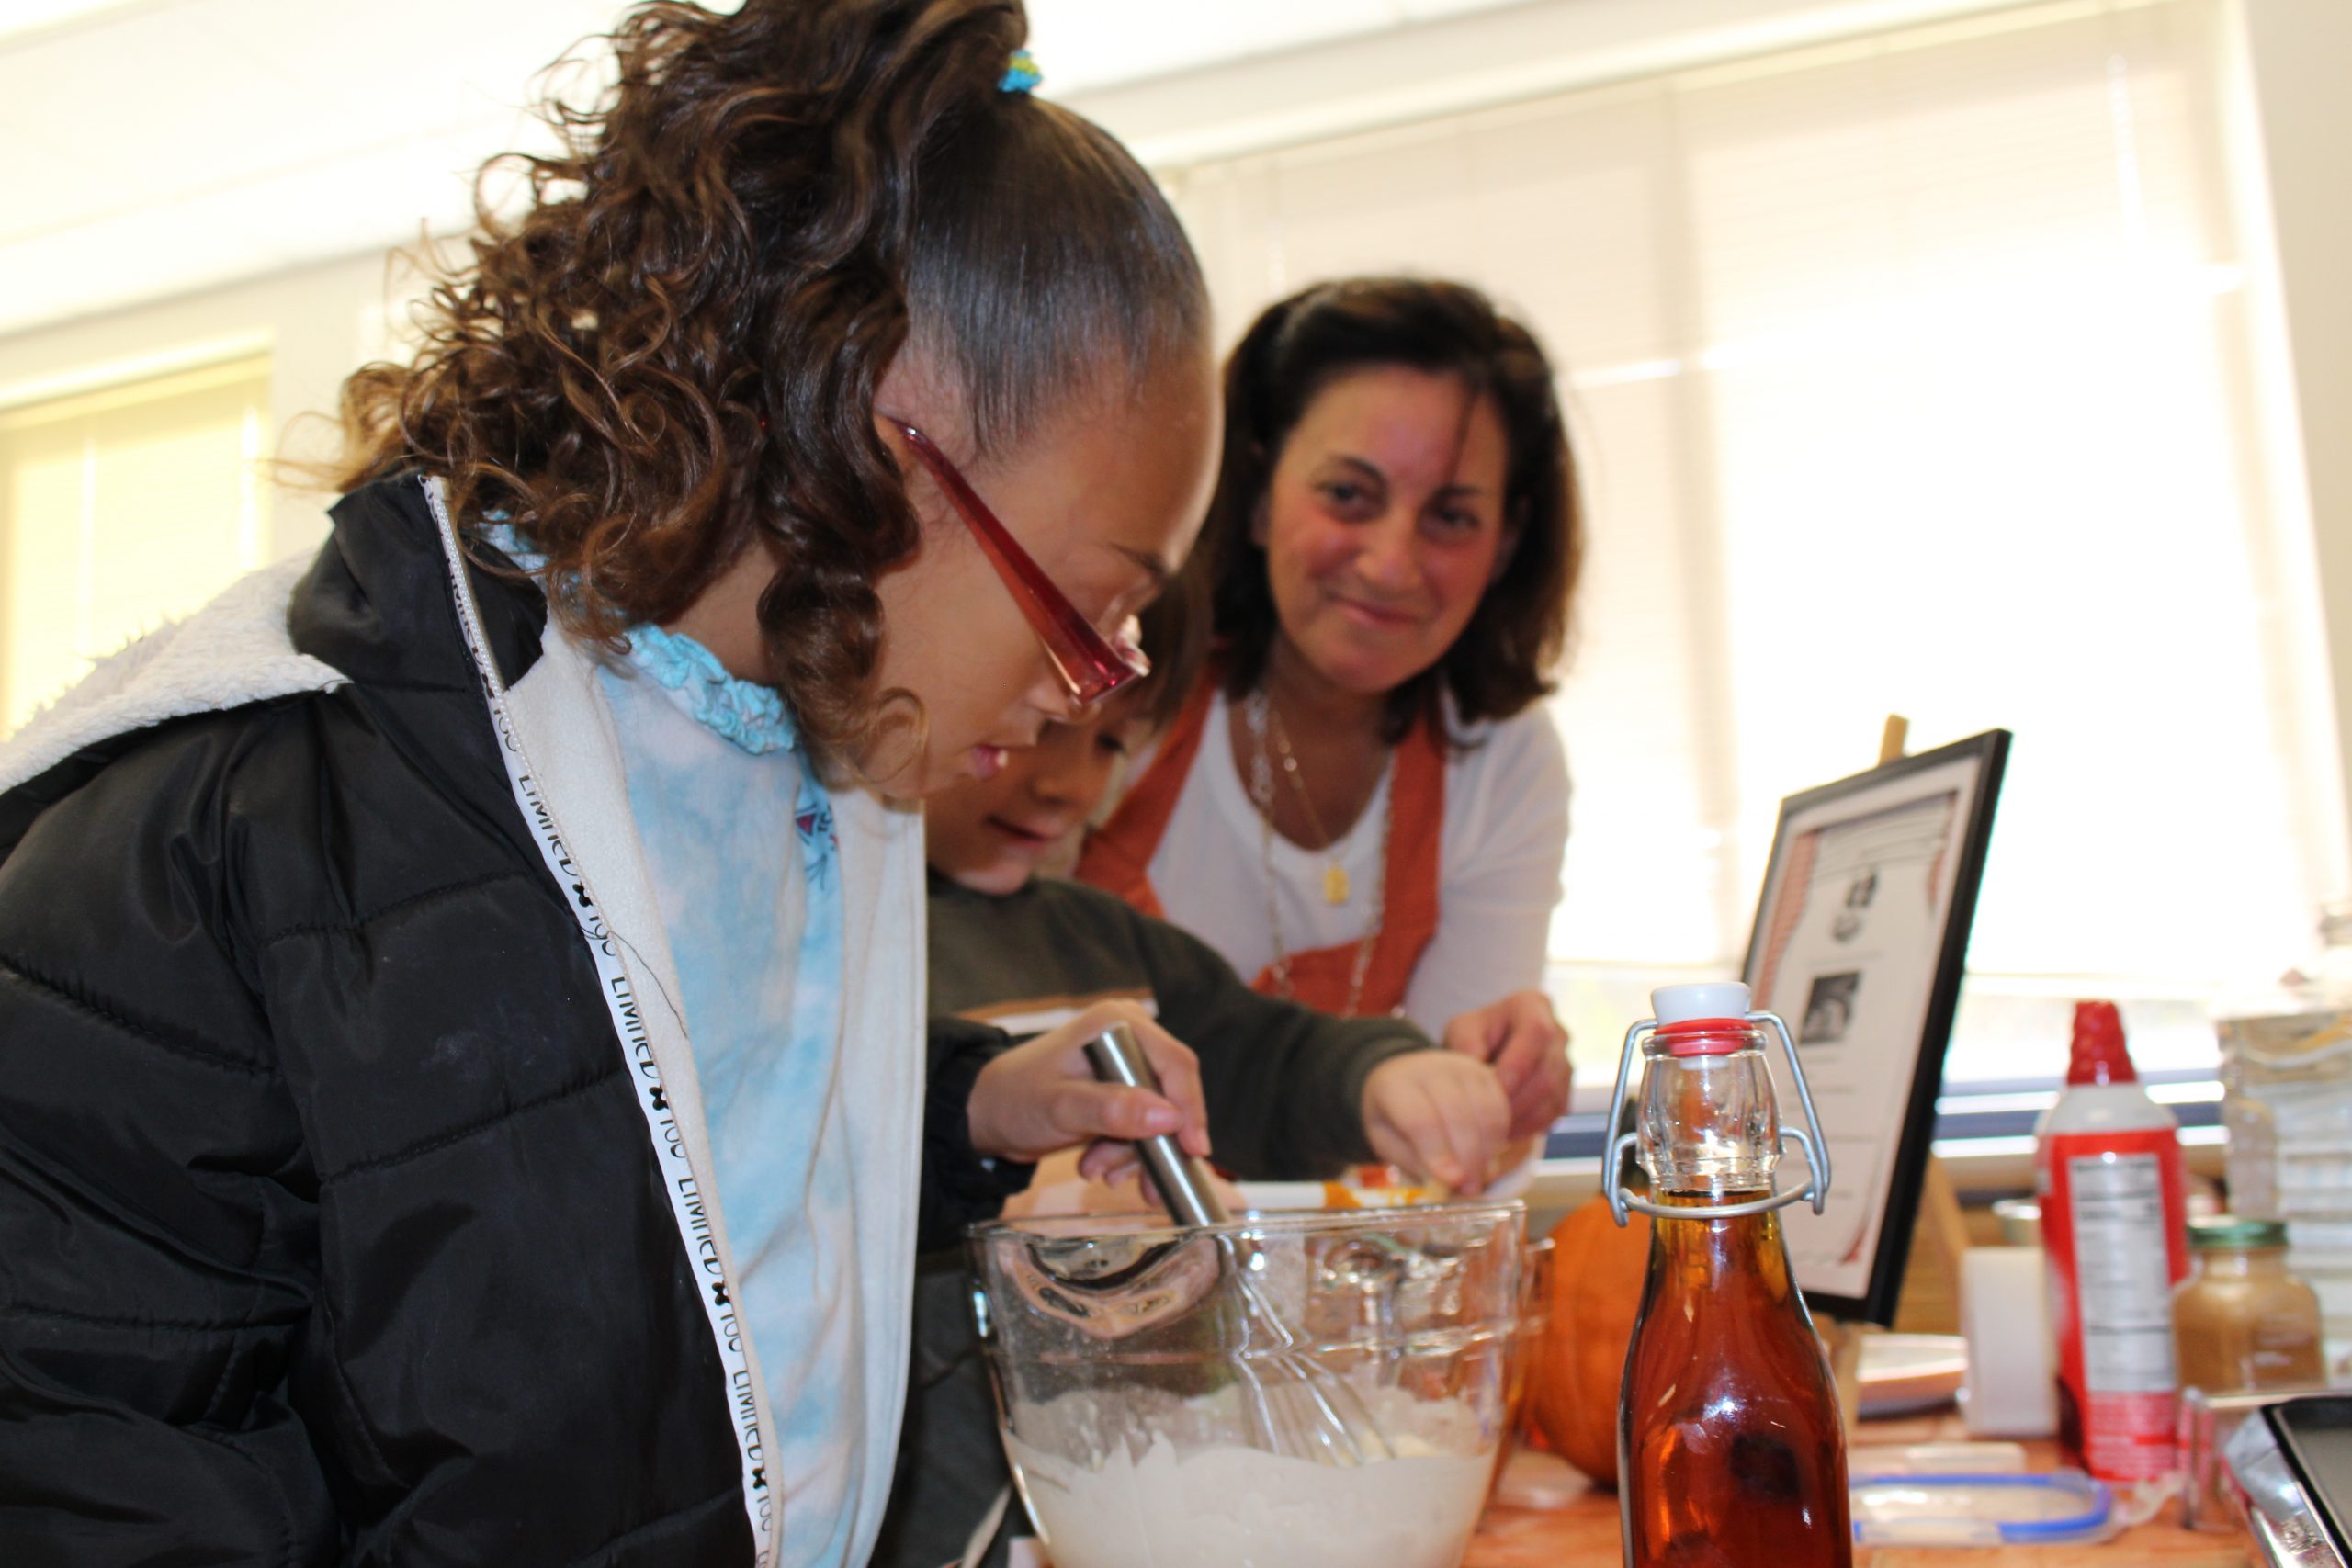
751, 716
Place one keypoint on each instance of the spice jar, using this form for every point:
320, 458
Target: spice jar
2239, 1321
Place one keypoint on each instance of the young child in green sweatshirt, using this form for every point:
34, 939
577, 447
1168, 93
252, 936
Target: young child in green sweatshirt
1291, 1093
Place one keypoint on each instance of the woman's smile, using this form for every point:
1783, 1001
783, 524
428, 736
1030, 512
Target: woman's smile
1374, 614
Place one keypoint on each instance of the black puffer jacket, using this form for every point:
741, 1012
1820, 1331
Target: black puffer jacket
331, 1228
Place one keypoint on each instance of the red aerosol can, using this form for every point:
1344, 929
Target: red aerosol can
2114, 1221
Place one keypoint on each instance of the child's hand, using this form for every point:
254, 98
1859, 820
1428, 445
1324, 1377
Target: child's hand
1523, 1041
1438, 1114
1042, 1096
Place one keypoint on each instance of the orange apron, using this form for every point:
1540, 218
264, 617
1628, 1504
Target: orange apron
1117, 859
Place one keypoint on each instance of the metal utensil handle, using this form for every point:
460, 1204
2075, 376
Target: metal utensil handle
1117, 1056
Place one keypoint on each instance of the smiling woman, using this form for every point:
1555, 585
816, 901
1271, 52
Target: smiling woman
1360, 804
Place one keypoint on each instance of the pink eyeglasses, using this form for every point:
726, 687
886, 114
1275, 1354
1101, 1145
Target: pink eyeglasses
1090, 666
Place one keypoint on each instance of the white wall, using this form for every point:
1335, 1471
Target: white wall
317, 323
1470, 61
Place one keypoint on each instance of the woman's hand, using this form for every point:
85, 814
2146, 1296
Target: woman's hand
1438, 1114
1043, 1096
1522, 1041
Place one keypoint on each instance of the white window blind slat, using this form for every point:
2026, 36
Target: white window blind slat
124, 509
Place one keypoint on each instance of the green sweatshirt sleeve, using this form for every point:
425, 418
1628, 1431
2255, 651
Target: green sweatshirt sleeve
1284, 1083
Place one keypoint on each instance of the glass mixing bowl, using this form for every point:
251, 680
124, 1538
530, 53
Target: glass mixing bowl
1320, 1390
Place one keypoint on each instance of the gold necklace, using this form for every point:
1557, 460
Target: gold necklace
1257, 711
1335, 875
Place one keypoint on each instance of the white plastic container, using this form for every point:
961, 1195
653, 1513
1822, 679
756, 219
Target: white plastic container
2011, 1387
2114, 1224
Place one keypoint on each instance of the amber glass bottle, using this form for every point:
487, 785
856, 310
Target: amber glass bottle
1731, 1451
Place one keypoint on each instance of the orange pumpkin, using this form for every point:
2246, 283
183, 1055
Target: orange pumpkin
1597, 1275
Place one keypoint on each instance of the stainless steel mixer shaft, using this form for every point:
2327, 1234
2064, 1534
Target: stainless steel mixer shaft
1334, 1426
1117, 1057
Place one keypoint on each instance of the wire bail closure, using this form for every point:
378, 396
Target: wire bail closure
1814, 1141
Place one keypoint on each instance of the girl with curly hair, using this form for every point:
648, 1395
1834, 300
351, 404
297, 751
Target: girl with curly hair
460, 1090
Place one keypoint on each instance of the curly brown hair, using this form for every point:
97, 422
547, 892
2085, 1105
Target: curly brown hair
672, 355
1503, 660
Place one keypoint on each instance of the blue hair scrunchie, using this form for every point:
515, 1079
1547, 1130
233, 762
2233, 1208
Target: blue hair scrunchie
1021, 75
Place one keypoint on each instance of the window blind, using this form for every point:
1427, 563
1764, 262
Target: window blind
122, 508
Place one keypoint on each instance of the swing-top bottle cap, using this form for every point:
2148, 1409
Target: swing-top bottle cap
1707, 1020
1681, 1004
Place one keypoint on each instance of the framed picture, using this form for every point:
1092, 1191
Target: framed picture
1861, 939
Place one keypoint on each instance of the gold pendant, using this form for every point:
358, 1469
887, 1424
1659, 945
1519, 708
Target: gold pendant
1335, 885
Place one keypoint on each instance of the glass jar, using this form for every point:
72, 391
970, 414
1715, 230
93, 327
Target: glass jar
2287, 1058
2239, 1321
2287, 1106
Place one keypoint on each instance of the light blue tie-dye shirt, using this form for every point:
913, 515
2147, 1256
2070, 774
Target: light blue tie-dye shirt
738, 840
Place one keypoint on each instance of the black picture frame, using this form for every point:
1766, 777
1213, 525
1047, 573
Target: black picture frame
1906, 1162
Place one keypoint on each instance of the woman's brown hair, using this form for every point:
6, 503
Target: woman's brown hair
1502, 660
672, 354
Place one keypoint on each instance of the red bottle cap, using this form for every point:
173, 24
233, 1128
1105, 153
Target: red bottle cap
2099, 1055
1708, 1036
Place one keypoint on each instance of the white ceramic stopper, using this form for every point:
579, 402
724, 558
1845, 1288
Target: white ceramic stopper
1717, 999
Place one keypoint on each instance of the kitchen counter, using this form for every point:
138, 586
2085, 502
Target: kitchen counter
1585, 1532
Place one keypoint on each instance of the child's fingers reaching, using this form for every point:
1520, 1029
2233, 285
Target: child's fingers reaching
1042, 1095
1476, 1117
1439, 1114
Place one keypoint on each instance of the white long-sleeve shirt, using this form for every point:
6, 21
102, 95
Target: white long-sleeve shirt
1503, 838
